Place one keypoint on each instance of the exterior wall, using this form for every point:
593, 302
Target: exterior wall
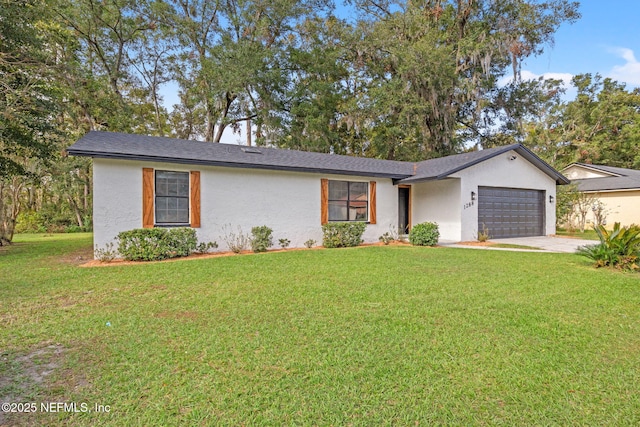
578, 172
622, 206
117, 199
501, 171
288, 202
438, 201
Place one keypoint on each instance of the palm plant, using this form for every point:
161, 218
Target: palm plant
619, 247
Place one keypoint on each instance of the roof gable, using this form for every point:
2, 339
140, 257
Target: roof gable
151, 148
584, 171
443, 167
603, 178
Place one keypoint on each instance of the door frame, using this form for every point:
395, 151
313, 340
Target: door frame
409, 207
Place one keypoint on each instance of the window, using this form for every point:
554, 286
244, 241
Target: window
172, 197
348, 201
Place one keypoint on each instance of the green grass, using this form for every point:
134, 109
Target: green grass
588, 234
381, 335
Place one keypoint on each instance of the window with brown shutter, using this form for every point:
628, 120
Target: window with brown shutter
372, 202
195, 199
170, 198
347, 201
148, 218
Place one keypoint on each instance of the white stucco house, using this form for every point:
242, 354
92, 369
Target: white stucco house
144, 181
617, 188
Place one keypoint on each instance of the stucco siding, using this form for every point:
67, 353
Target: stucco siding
579, 172
117, 199
621, 206
288, 202
502, 171
438, 201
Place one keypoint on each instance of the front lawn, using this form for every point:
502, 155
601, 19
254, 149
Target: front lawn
387, 335
588, 234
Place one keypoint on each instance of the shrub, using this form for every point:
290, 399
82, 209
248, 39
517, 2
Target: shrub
386, 238
203, 248
284, 243
618, 248
483, 235
309, 243
261, 238
389, 236
235, 242
152, 244
78, 229
424, 234
106, 254
30, 222
342, 234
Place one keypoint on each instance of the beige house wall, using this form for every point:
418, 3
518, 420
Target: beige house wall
580, 172
622, 207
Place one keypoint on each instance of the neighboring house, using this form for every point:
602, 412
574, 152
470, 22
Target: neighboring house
144, 181
617, 188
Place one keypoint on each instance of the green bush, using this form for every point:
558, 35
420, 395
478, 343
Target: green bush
386, 238
424, 234
106, 254
78, 229
30, 222
153, 244
203, 248
261, 238
618, 248
284, 243
342, 234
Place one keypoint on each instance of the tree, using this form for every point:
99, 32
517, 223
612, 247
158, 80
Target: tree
28, 101
601, 125
430, 66
316, 114
114, 63
231, 63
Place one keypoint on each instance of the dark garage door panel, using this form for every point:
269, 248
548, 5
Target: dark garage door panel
511, 212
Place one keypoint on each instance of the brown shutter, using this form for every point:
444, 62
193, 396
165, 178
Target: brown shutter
147, 198
324, 201
372, 202
195, 199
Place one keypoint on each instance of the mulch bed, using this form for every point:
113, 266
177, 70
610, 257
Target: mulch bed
116, 262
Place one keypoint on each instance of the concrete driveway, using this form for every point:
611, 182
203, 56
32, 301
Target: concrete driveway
545, 243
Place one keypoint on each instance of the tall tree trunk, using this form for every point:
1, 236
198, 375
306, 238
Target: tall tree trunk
76, 210
9, 208
3, 238
249, 132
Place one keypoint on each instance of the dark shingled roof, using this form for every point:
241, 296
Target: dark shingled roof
444, 166
112, 145
625, 179
152, 148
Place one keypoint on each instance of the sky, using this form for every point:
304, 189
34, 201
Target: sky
605, 40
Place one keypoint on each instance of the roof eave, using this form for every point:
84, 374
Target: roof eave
146, 158
592, 168
519, 148
542, 165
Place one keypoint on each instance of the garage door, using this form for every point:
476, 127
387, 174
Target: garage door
511, 212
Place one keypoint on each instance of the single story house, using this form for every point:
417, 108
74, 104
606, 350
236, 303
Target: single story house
146, 181
617, 188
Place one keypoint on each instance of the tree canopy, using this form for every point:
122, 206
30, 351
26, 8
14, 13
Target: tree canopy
601, 125
404, 80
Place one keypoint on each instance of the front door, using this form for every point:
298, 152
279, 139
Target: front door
404, 210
